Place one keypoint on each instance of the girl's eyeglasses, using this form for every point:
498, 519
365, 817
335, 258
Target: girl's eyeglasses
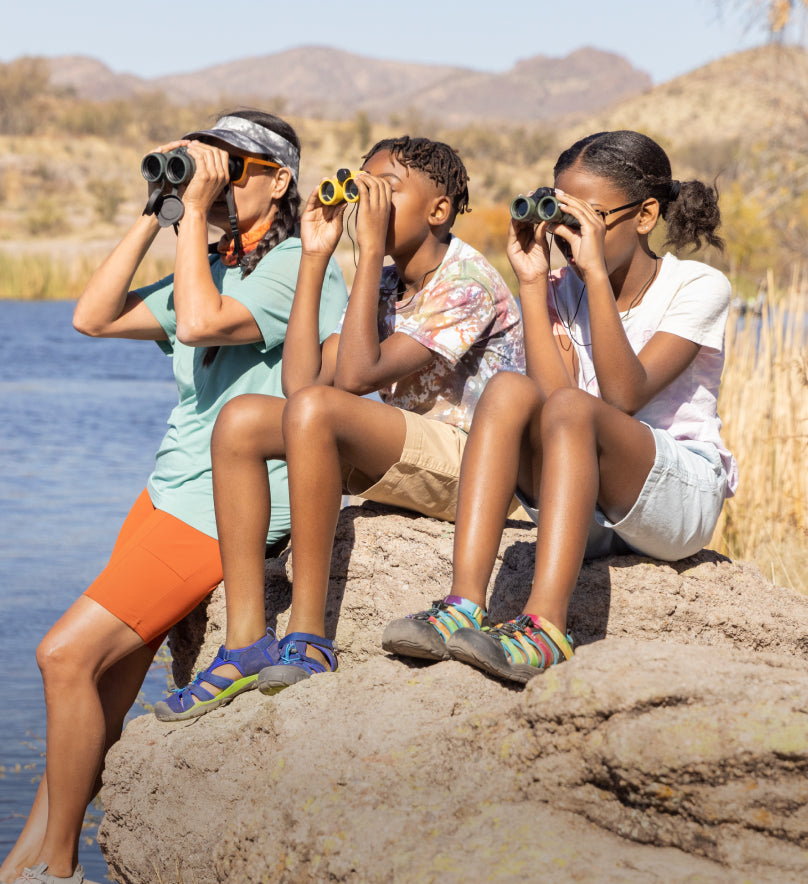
605, 214
238, 167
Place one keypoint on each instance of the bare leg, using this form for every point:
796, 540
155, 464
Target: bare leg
247, 434
592, 453
82, 655
502, 447
118, 688
323, 425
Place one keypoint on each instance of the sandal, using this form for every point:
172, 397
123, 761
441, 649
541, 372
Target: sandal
424, 635
516, 650
294, 664
194, 700
38, 874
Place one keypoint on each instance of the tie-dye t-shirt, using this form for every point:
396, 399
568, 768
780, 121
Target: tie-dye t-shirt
468, 317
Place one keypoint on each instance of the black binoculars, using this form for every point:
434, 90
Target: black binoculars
341, 188
177, 166
541, 205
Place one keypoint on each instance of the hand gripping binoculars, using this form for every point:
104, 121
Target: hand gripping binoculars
341, 188
541, 205
177, 166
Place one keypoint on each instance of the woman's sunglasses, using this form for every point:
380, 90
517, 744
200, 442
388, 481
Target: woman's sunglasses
238, 167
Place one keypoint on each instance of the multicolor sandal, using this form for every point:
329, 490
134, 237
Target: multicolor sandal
294, 664
516, 650
194, 700
424, 635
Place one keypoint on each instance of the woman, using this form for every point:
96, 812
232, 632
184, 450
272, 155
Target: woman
223, 320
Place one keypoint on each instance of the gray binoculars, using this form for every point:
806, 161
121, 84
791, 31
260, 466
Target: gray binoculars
341, 188
177, 166
541, 205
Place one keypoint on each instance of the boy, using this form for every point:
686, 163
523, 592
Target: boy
425, 333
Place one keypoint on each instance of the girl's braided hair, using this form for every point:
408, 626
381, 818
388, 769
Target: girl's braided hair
435, 159
287, 214
640, 168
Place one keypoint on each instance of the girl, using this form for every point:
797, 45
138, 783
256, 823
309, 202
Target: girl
223, 320
616, 416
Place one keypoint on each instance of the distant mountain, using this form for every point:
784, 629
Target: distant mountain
329, 83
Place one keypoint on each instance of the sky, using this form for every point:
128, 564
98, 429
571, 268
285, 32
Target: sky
149, 38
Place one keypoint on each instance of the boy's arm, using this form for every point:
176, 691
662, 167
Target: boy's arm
305, 360
364, 363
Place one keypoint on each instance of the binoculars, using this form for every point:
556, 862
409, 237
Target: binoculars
177, 166
341, 188
541, 205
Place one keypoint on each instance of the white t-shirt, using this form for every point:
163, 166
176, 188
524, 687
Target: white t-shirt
688, 299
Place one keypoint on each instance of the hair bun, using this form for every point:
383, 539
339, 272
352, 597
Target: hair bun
676, 187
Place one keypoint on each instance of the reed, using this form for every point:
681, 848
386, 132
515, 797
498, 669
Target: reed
764, 406
38, 277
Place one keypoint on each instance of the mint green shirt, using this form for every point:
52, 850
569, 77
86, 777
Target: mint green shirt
181, 483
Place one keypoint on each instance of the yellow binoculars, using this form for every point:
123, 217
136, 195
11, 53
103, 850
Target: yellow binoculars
341, 188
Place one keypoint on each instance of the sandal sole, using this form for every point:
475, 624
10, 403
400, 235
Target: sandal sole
163, 712
479, 651
413, 638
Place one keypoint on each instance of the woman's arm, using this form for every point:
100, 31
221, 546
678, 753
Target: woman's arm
205, 318
106, 309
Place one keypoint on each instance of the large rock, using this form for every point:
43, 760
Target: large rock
675, 750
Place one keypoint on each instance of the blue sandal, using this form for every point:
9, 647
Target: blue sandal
294, 664
194, 700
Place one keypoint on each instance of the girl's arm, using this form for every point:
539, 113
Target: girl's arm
549, 364
364, 363
305, 360
205, 318
626, 379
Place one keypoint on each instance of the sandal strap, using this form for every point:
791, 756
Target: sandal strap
291, 652
453, 613
536, 642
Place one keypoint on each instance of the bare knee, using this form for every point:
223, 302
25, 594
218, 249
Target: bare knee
509, 397
567, 408
248, 425
58, 657
308, 409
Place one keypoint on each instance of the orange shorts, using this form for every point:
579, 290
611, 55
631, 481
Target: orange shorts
159, 571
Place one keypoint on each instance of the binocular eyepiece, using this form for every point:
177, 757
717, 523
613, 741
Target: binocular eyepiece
341, 188
541, 205
177, 166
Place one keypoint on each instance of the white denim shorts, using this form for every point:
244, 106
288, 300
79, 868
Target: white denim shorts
677, 510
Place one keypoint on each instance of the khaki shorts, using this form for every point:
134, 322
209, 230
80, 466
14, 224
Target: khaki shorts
427, 476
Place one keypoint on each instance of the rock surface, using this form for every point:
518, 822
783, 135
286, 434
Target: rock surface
676, 750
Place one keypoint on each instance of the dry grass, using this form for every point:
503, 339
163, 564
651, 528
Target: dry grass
764, 406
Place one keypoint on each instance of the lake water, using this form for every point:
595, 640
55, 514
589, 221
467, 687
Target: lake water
82, 419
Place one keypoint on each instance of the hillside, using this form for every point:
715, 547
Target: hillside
69, 179
316, 81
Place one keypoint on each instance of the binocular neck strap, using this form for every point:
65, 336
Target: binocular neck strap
232, 215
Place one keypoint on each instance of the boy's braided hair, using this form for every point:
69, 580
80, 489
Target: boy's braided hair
437, 160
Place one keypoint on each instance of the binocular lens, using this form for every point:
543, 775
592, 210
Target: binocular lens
328, 193
179, 166
520, 208
351, 191
153, 166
